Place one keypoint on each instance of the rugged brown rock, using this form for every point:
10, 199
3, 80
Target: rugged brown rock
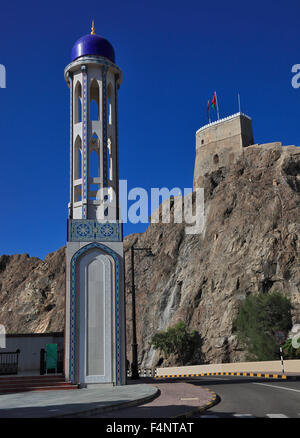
32, 293
250, 244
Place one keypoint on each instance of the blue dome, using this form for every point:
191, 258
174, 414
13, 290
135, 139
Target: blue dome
93, 44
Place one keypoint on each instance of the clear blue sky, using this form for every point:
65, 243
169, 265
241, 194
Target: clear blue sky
174, 55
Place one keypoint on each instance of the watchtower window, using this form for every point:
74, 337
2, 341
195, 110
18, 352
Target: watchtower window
216, 159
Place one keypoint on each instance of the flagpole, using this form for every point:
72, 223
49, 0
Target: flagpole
239, 102
208, 113
217, 106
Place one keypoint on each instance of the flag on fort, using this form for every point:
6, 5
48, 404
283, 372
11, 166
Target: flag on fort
213, 102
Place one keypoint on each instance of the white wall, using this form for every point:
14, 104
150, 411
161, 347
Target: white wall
30, 347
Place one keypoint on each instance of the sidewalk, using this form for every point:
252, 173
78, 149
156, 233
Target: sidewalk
47, 404
136, 400
176, 399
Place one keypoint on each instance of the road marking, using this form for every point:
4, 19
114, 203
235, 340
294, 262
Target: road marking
274, 386
244, 415
229, 416
190, 398
277, 416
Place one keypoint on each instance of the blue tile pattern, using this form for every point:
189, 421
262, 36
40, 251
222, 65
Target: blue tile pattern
81, 251
71, 140
84, 142
90, 230
117, 141
104, 121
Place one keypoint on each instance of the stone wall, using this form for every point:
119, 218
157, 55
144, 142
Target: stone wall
275, 366
220, 143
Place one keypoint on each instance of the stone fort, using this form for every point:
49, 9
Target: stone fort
219, 143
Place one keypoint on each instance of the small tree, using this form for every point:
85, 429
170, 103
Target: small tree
258, 320
176, 340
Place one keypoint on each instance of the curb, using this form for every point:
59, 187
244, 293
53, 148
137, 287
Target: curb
241, 374
112, 407
213, 401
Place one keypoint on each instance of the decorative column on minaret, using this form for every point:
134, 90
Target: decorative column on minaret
95, 307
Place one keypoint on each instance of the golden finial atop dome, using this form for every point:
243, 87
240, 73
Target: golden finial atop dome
93, 28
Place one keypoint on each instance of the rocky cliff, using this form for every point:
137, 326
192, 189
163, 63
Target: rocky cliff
249, 244
32, 293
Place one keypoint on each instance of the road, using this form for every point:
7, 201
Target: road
250, 397
240, 397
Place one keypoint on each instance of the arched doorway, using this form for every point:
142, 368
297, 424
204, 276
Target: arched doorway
95, 316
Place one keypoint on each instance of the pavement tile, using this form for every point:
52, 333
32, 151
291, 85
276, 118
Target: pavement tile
44, 404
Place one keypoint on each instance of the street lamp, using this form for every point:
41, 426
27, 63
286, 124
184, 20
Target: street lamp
134, 365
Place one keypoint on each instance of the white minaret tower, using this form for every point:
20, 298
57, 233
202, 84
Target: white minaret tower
95, 309
93, 81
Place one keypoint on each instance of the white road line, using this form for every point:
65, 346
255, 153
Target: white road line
274, 386
190, 398
229, 416
244, 415
276, 416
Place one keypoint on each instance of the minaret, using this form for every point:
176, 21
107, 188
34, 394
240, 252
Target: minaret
95, 310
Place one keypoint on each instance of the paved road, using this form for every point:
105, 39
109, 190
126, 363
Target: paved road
249, 397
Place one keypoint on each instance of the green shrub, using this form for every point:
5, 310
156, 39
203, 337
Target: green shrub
176, 340
258, 320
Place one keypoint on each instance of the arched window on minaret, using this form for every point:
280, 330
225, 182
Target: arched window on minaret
78, 158
109, 104
78, 103
94, 167
77, 169
94, 100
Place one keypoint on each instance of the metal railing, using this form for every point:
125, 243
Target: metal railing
9, 361
143, 372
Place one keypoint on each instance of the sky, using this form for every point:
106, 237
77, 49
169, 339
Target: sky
173, 55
